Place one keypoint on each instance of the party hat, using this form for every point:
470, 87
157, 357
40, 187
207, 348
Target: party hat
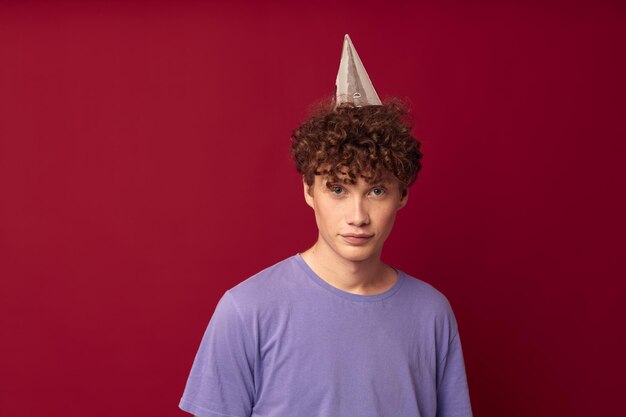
353, 85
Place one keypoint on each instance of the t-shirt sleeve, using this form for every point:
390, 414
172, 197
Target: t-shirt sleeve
452, 391
221, 381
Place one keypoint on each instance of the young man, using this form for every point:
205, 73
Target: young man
334, 331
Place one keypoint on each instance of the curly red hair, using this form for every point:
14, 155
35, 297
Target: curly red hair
350, 142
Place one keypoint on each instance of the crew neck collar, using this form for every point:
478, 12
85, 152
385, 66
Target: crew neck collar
348, 295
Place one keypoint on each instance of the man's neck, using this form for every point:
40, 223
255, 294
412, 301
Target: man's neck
366, 277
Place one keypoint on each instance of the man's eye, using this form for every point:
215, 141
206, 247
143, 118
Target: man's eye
335, 189
378, 191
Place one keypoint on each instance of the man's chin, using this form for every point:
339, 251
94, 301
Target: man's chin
357, 254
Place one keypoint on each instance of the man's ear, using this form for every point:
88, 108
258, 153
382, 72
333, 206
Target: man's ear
404, 199
308, 192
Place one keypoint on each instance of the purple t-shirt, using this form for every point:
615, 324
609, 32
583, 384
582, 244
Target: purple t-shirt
285, 343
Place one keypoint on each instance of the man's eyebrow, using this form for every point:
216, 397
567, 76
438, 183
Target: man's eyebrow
383, 181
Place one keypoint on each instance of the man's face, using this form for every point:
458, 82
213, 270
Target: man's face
354, 220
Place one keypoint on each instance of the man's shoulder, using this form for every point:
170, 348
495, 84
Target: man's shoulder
269, 283
425, 295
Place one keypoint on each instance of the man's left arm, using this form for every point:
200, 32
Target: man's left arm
452, 390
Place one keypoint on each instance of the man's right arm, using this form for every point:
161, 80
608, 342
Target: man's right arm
221, 377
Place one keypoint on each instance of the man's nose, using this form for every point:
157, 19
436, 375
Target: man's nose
358, 213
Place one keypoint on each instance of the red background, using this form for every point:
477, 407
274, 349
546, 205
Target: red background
144, 170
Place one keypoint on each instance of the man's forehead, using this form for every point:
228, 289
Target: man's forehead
382, 177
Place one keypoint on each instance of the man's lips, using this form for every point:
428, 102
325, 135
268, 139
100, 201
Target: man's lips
356, 238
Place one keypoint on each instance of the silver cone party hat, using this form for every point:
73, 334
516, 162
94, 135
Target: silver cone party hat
353, 85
